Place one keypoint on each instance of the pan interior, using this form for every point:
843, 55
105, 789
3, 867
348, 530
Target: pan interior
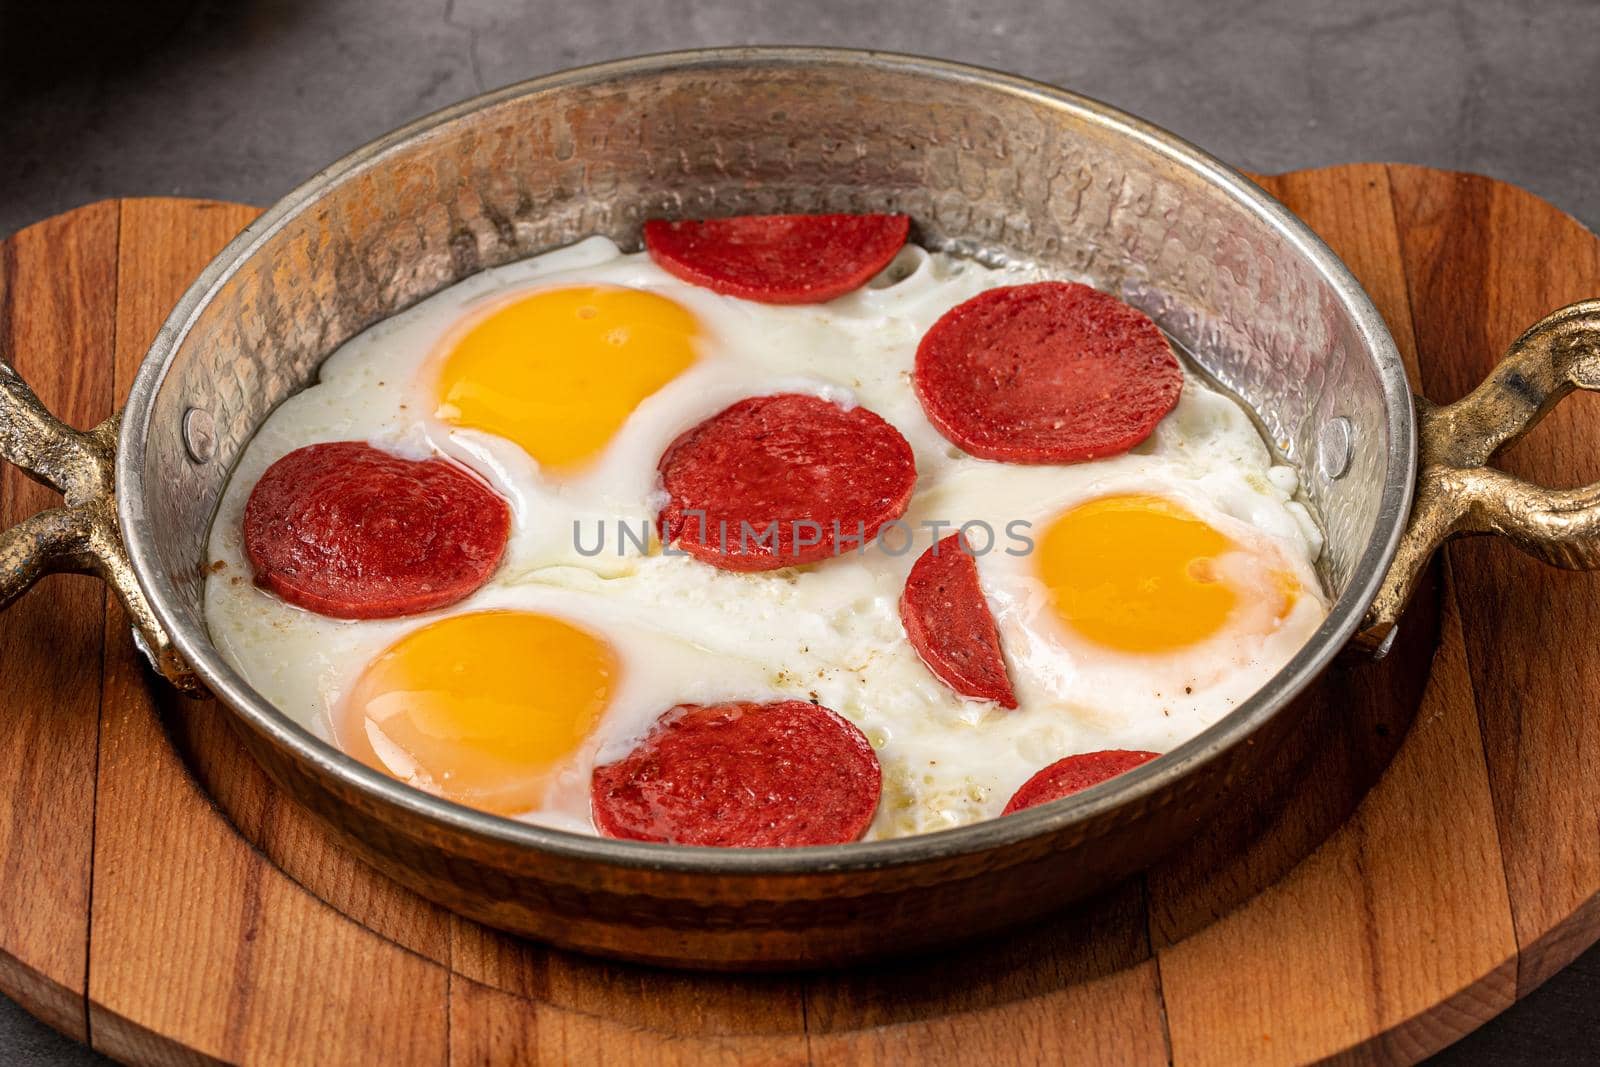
988, 166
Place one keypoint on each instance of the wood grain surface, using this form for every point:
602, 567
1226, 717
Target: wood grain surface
143, 920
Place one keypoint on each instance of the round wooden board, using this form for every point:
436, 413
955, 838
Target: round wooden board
143, 920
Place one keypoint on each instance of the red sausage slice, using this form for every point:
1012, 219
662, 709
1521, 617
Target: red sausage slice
948, 622
1075, 774
778, 259
742, 775
777, 481
350, 531
1053, 372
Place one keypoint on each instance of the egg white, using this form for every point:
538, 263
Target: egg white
830, 632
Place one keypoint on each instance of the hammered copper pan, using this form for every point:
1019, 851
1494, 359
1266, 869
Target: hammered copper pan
986, 164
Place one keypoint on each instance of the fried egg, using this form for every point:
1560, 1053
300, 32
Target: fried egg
1138, 598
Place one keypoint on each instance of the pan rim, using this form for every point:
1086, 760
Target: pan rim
1234, 728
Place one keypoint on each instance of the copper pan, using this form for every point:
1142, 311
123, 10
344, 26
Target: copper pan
986, 163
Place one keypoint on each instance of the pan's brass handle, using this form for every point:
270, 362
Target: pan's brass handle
82, 535
1458, 493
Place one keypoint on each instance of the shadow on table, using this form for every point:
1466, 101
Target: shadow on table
46, 44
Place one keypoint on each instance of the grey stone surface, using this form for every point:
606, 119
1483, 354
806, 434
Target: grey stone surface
240, 100
243, 99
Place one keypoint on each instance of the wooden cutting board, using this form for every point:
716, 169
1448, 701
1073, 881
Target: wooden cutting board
140, 918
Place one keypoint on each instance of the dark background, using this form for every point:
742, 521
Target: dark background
242, 100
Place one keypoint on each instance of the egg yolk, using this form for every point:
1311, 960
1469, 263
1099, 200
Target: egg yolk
481, 708
560, 370
1141, 573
